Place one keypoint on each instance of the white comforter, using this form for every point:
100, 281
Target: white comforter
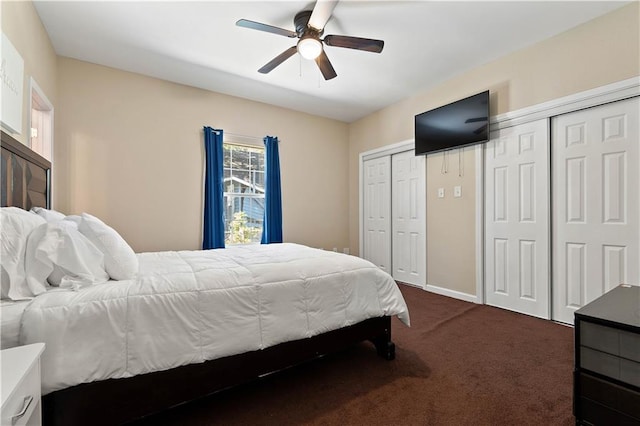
191, 306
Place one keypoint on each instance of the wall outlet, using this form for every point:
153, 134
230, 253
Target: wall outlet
335, 249
457, 191
440, 192
345, 250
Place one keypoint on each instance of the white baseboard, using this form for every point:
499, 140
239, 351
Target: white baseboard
452, 293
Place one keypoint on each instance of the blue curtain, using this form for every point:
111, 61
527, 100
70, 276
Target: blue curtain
213, 203
272, 225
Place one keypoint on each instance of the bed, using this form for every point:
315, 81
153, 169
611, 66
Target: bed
190, 323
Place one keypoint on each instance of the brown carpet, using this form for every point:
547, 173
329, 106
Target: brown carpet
458, 364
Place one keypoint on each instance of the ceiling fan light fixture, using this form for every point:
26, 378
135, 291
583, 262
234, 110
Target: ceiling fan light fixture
309, 47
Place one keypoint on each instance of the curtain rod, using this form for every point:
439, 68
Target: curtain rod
237, 135
243, 136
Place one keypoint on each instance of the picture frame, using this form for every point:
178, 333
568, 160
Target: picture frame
12, 77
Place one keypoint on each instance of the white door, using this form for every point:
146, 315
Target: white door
517, 219
595, 196
409, 243
377, 212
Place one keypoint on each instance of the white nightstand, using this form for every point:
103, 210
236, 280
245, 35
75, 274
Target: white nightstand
20, 380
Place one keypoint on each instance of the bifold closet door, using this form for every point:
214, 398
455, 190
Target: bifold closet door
408, 211
377, 212
517, 219
596, 186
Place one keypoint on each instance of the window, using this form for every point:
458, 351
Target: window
243, 182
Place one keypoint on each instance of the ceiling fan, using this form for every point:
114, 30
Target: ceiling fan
309, 25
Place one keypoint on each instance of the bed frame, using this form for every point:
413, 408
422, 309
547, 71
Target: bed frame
25, 184
116, 401
25, 176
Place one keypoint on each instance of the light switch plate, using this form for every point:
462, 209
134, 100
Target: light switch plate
457, 191
440, 192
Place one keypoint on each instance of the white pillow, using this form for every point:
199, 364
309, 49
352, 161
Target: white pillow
58, 274
59, 252
36, 272
48, 215
74, 218
15, 226
120, 260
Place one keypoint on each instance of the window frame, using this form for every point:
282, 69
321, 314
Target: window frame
248, 195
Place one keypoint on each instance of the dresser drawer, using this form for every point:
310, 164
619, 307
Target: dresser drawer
610, 365
610, 340
630, 372
608, 395
27, 394
599, 337
593, 414
630, 345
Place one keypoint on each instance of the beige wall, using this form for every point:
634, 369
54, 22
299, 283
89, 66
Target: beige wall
599, 52
448, 220
22, 25
129, 149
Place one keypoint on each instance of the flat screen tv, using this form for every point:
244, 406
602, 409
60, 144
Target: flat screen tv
461, 123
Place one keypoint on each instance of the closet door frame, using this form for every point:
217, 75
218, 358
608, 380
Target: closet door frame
388, 150
613, 92
617, 91
608, 93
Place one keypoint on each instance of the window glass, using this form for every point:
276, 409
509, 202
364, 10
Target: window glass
243, 193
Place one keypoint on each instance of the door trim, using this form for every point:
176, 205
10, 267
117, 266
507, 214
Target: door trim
44, 105
617, 91
480, 294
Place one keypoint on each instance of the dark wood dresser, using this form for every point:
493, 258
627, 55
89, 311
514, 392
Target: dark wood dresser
607, 359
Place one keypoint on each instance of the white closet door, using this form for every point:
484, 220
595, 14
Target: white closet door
595, 197
517, 219
408, 177
377, 212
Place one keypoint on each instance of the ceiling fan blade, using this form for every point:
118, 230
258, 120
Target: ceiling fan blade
278, 60
358, 43
266, 28
321, 13
325, 66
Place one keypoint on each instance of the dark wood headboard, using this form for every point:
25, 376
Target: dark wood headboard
25, 176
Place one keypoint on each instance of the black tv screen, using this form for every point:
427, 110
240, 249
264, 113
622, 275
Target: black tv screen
457, 124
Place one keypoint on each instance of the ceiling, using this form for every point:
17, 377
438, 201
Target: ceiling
198, 44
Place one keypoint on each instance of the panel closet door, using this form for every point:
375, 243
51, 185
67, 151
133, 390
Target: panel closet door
408, 209
517, 219
596, 186
377, 212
